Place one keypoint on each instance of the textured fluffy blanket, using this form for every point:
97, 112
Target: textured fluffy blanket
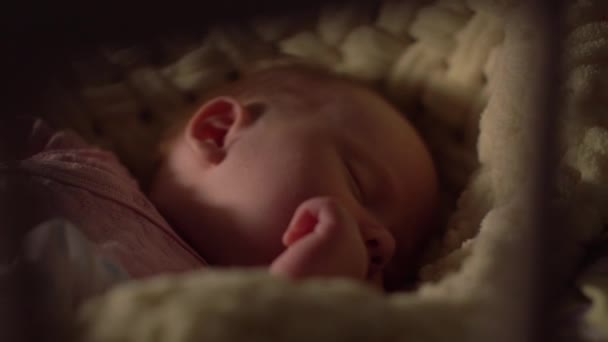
463, 70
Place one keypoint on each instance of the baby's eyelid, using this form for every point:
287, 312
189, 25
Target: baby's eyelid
356, 184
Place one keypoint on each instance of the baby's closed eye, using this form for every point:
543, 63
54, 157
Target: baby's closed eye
366, 182
355, 182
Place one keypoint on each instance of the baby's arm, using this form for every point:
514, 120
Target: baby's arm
322, 240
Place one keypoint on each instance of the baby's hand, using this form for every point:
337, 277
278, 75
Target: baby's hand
322, 240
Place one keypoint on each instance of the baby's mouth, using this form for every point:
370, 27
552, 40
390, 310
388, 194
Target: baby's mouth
374, 269
375, 262
375, 278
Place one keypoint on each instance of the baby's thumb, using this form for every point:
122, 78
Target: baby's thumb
315, 214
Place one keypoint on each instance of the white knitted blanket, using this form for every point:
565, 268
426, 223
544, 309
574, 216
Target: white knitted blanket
462, 70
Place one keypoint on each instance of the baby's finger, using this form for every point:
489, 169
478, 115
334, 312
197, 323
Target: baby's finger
329, 250
302, 224
316, 214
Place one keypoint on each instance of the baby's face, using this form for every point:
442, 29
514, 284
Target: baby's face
234, 177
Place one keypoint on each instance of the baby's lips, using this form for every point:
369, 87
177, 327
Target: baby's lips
380, 244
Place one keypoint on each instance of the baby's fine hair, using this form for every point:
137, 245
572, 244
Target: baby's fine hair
276, 82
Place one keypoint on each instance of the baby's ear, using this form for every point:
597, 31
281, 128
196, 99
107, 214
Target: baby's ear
215, 125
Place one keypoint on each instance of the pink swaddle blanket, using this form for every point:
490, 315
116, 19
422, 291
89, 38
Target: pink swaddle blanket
58, 175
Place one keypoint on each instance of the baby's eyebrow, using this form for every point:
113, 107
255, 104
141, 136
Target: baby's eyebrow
385, 184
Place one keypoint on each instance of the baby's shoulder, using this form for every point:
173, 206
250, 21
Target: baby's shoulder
55, 173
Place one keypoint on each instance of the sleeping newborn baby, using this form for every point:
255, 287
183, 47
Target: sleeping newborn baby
304, 173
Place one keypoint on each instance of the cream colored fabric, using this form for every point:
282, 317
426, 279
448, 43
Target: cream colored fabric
464, 71
584, 178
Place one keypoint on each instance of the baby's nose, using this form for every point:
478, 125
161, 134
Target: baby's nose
380, 246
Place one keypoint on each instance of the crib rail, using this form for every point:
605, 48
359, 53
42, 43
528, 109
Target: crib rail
536, 257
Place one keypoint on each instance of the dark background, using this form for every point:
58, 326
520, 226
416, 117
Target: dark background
36, 30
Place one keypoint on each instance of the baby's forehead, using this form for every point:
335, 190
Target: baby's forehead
299, 83
333, 97
312, 94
